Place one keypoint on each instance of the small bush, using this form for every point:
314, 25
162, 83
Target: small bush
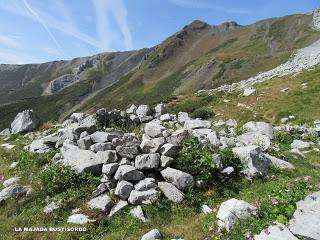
204, 113
230, 160
196, 159
58, 178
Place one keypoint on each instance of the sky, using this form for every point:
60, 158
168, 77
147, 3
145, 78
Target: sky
36, 31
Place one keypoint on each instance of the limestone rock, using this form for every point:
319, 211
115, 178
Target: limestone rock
25, 121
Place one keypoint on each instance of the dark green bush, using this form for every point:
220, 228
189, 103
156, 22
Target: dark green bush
196, 159
58, 178
204, 113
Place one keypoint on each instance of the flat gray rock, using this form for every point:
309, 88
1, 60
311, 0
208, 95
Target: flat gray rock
82, 160
154, 234
171, 192
276, 232
305, 222
102, 202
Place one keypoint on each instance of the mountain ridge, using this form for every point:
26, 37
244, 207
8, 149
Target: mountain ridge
199, 56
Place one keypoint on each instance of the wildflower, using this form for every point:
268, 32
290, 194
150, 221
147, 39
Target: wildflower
248, 236
307, 178
274, 201
1, 177
211, 229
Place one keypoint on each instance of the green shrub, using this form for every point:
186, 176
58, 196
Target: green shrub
196, 159
58, 178
230, 160
204, 113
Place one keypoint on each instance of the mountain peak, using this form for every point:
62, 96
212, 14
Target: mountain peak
228, 26
196, 25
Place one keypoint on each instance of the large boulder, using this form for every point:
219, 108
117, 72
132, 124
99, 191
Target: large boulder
305, 222
82, 160
178, 178
255, 163
25, 121
231, 211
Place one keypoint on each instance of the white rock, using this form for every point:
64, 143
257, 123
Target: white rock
25, 121
154, 129
147, 161
278, 163
231, 211
206, 209
261, 127
52, 206
171, 192
102, 202
139, 197
305, 222
145, 184
137, 212
154, 234
298, 144
11, 181
79, 219
197, 123
178, 178
129, 173
116, 208
276, 232
82, 160
256, 164
249, 91
123, 189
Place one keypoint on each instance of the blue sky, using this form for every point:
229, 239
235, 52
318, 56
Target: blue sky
33, 31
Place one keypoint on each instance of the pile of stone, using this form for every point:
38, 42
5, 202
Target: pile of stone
138, 169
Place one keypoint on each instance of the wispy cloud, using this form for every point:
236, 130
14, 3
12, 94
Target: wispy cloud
206, 5
34, 13
118, 10
10, 41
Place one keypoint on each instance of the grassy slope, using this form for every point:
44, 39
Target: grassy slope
183, 220
207, 58
269, 104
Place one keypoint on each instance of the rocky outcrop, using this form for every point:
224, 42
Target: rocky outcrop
60, 83
25, 121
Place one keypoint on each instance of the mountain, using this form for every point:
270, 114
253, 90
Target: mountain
200, 56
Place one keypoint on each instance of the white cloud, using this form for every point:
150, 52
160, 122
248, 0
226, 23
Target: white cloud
10, 41
211, 6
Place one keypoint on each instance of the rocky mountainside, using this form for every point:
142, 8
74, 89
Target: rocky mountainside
200, 56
